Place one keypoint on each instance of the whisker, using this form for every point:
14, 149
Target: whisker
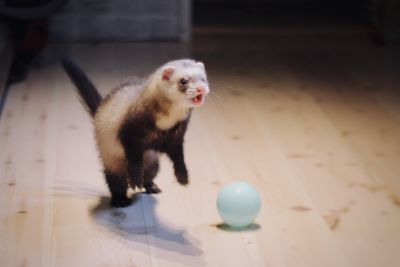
216, 95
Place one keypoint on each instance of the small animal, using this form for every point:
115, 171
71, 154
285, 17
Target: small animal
140, 119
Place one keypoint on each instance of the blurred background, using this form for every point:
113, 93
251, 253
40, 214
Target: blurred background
27, 26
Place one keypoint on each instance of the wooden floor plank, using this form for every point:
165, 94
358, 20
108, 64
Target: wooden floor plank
306, 122
372, 183
26, 172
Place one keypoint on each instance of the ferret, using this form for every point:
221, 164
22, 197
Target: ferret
140, 119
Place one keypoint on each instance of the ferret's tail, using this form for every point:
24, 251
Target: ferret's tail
88, 93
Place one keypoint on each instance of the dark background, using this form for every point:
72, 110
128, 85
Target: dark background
26, 27
264, 13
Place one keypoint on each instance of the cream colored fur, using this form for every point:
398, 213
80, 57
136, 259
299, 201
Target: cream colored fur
129, 100
107, 122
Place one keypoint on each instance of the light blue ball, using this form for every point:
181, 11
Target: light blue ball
238, 204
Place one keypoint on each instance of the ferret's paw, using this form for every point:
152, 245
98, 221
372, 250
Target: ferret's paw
133, 183
152, 188
120, 202
182, 177
184, 183
134, 186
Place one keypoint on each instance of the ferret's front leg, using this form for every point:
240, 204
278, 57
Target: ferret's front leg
175, 153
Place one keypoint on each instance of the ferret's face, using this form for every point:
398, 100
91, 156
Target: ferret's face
187, 83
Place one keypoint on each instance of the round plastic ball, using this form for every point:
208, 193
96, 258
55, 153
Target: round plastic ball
238, 204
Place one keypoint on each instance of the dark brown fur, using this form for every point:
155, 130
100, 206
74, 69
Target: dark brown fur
139, 134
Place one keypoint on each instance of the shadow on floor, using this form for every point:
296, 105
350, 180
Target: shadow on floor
138, 223
250, 228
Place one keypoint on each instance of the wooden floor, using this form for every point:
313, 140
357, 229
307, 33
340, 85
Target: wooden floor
314, 125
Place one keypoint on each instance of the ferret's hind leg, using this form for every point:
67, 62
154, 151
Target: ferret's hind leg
118, 187
151, 168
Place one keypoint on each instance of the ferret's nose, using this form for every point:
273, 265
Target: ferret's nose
200, 89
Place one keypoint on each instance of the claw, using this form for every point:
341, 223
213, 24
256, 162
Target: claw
152, 189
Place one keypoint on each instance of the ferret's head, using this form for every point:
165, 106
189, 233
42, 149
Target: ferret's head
185, 81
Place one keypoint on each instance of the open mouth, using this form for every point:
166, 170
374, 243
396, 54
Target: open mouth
197, 100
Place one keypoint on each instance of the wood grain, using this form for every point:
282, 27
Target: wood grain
314, 125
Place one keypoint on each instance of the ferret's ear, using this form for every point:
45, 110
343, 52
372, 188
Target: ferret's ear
167, 73
200, 64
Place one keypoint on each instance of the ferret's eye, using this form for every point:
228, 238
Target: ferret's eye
183, 81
